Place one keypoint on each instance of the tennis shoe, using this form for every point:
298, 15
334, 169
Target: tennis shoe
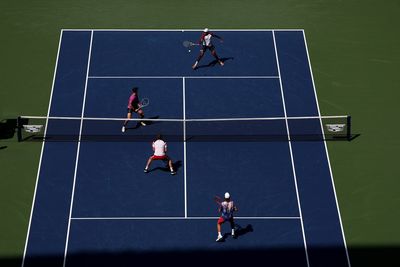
143, 123
173, 172
123, 129
221, 63
146, 170
194, 66
219, 238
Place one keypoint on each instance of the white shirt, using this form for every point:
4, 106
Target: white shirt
207, 39
159, 147
227, 209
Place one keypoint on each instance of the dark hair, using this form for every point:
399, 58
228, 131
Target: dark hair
159, 137
135, 89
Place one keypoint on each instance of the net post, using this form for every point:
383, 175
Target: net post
349, 128
19, 129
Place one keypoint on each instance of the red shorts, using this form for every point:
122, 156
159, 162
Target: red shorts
154, 157
221, 220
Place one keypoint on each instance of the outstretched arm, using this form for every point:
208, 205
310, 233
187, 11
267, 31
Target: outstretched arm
218, 37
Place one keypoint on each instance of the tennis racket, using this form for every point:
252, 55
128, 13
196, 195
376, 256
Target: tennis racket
189, 44
218, 200
143, 103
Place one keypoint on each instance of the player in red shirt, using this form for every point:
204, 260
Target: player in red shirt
206, 43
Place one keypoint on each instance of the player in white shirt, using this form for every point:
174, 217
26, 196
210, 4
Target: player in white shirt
160, 153
206, 43
227, 208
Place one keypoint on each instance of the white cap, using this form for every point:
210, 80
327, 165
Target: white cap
205, 30
227, 195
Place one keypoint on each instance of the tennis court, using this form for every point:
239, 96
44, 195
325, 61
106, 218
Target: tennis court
94, 204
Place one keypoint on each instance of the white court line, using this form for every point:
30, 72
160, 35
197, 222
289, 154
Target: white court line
181, 77
182, 30
184, 143
41, 152
291, 152
78, 149
326, 150
188, 218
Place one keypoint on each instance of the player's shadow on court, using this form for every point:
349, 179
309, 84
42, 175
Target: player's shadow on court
213, 63
239, 231
176, 165
148, 123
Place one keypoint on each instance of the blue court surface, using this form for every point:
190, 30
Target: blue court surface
94, 205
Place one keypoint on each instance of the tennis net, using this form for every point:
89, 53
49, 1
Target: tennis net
37, 128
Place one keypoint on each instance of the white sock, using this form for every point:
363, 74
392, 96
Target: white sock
233, 231
219, 234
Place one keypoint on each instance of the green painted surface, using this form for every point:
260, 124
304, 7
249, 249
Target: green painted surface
355, 55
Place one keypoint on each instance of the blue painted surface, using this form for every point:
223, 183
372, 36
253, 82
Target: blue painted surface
233, 98
295, 74
69, 85
51, 209
108, 98
110, 179
320, 217
186, 241
49, 224
317, 198
162, 53
257, 174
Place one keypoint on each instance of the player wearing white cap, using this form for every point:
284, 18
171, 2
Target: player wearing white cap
227, 208
206, 43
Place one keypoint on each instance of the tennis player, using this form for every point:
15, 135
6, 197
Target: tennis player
206, 44
226, 209
160, 153
134, 106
